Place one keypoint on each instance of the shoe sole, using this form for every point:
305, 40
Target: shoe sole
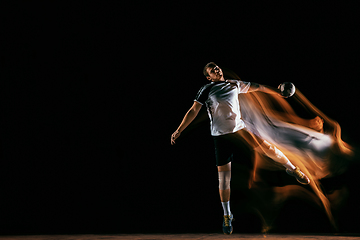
307, 183
303, 183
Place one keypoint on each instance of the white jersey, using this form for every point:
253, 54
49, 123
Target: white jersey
222, 102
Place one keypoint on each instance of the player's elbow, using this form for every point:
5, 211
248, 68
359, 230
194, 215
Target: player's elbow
254, 87
192, 112
195, 108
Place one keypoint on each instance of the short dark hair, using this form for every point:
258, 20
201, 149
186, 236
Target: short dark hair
209, 65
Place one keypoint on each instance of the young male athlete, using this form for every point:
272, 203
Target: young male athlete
229, 131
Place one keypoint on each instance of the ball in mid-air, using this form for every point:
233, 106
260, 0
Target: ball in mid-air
287, 89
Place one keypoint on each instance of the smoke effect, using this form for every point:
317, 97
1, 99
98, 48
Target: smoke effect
312, 144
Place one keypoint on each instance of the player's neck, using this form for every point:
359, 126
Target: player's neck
220, 80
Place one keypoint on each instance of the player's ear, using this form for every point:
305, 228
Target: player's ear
208, 78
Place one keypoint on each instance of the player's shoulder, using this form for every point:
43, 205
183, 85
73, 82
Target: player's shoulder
236, 81
208, 85
202, 94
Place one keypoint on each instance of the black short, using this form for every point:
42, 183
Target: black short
229, 144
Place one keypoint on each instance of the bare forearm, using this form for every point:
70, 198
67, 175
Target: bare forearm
255, 87
188, 118
269, 90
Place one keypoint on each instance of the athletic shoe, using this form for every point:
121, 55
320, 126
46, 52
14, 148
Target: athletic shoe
227, 226
299, 175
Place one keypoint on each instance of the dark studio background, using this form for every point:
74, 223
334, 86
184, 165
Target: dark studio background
91, 92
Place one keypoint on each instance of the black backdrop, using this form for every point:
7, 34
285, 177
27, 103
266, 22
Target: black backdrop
91, 92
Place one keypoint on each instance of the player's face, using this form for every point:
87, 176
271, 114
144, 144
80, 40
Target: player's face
215, 74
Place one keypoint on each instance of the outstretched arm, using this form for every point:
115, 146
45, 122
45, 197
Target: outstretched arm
188, 118
263, 88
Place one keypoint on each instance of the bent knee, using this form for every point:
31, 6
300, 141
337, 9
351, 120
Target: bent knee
223, 168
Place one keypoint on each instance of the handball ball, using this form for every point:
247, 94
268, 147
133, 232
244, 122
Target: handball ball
287, 89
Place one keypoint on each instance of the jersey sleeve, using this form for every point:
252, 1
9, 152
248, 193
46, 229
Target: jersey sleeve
243, 86
202, 95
